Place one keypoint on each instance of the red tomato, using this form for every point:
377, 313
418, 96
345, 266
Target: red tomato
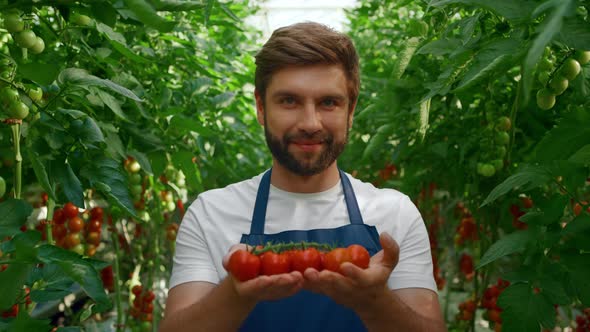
58, 216
334, 258
359, 256
136, 290
244, 265
94, 225
75, 224
70, 210
58, 231
96, 213
72, 240
93, 238
273, 263
149, 296
302, 259
494, 316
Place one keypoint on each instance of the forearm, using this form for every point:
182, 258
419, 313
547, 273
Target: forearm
389, 313
220, 310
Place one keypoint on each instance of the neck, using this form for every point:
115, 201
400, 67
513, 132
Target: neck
286, 180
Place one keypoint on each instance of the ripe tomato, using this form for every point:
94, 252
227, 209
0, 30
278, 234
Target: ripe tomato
273, 263
72, 240
94, 225
136, 290
334, 258
58, 231
244, 265
75, 224
93, 238
494, 316
359, 256
302, 259
149, 296
70, 210
96, 213
58, 216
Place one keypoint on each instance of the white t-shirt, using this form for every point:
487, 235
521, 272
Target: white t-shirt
217, 219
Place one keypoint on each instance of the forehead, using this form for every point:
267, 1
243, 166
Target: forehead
314, 80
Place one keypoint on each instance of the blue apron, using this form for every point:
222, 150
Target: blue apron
307, 311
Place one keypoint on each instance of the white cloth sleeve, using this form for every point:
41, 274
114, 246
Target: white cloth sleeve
414, 269
192, 257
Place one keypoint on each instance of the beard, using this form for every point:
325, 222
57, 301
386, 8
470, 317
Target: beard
310, 163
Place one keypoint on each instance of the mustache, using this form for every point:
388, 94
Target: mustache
305, 136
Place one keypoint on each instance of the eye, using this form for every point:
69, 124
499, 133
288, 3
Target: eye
287, 100
329, 102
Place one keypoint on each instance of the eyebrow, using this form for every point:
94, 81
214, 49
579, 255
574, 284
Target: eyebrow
286, 93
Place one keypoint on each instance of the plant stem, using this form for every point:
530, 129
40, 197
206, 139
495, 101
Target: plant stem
18, 160
118, 301
50, 209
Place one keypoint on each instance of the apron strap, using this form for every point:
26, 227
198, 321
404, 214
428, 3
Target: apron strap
259, 214
354, 213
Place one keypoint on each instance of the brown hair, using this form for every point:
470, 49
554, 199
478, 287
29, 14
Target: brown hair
307, 43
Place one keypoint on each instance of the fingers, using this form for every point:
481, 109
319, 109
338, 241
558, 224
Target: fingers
272, 287
390, 250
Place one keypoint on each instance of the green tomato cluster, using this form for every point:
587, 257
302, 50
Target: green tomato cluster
12, 105
25, 38
555, 81
492, 160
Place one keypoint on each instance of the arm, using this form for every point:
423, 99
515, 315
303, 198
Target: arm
366, 292
203, 306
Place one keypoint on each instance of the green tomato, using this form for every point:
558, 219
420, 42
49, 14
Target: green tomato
545, 64
17, 110
498, 164
502, 138
488, 170
7, 95
570, 69
25, 39
544, 77
583, 57
545, 99
134, 167
13, 23
503, 123
146, 326
78, 249
501, 151
2, 187
82, 20
135, 178
35, 94
558, 85
136, 190
38, 47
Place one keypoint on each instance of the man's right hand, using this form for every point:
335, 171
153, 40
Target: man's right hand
263, 288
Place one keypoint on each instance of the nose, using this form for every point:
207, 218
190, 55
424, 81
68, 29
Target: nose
310, 119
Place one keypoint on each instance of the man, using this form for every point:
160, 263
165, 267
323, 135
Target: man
307, 84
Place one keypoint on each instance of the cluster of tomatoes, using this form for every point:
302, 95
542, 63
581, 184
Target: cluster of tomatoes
517, 212
555, 77
467, 310
467, 228
69, 229
489, 302
142, 309
466, 266
493, 161
136, 187
18, 26
583, 321
284, 258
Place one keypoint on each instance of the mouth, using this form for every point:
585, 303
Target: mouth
307, 145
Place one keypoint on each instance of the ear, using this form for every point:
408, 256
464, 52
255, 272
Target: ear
259, 107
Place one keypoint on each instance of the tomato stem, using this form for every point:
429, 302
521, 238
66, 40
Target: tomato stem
49, 225
18, 160
116, 272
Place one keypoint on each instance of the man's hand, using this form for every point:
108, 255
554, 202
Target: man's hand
263, 287
358, 288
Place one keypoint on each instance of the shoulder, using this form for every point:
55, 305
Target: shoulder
235, 191
365, 190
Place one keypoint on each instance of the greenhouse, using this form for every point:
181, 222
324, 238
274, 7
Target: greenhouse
276, 165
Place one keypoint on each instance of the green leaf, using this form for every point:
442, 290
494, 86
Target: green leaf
159, 161
183, 160
208, 7
147, 15
68, 182
570, 135
495, 56
185, 125
118, 42
439, 47
108, 172
112, 103
69, 329
524, 310
79, 270
528, 177
104, 12
229, 12
46, 295
80, 77
41, 73
549, 29
41, 173
223, 100
581, 156
577, 232
24, 322
376, 141
550, 213
575, 33
404, 57
177, 5
13, 214
509, 244
11, 283
86, 130
517, 11
143, 161
578, 267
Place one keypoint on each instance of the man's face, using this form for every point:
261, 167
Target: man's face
306, 117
